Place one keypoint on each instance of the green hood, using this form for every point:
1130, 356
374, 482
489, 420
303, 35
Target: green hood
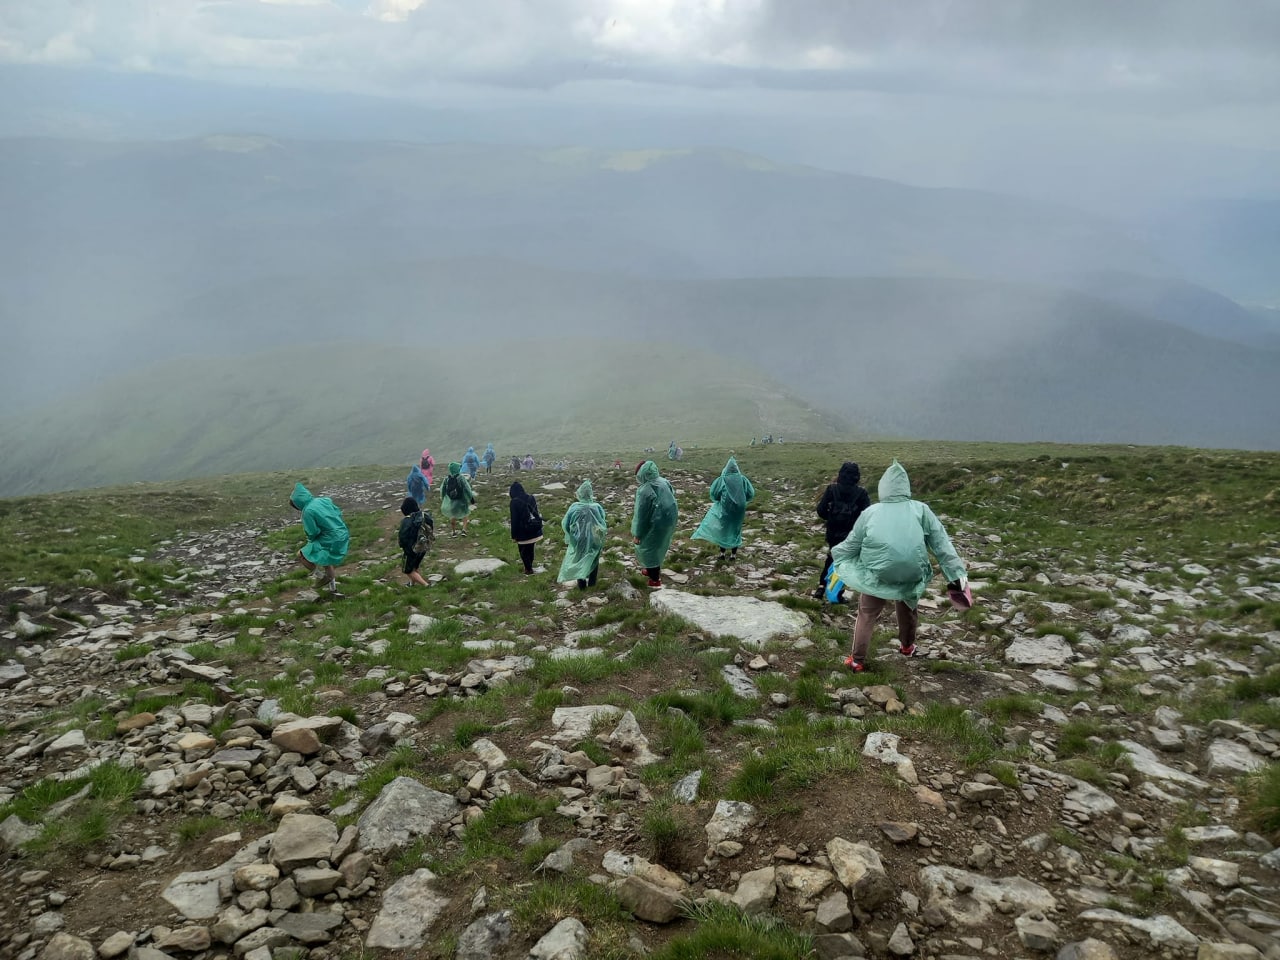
648, 472
586, 493
301, 496
455, 468
895, 485
730, 467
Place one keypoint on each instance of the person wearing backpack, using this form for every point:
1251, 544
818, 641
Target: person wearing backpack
327, 536
886, 559
426, 465
526, 524
417, 486
841, 505
653, 521
456, 499
471, 463
415, 537
584, 527
490, 455
730, 493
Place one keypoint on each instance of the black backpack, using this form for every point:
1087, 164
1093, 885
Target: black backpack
453, 487
426, 534
841, 511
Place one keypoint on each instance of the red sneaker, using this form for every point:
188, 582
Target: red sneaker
857, 666
908, 651
655, 584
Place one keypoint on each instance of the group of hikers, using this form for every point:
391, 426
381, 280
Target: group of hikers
880, 551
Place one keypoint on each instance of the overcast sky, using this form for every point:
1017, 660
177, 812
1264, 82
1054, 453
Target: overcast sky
964, 92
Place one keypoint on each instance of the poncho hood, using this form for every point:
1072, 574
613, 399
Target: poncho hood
895, 484
648, 472
586, 493
301, 496
455, 468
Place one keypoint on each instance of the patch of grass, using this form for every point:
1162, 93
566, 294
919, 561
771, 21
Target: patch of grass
132, 651
1262, 801
724, 931
192, 828
948, 726
663, 832
545, 902
403, 761
719, 708
1005, 708
467, 732
799, 755
108, 789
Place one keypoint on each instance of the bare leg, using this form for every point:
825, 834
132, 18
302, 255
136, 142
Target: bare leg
416, 577
869, 610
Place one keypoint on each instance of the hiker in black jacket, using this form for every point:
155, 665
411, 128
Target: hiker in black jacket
526, 524
841, 505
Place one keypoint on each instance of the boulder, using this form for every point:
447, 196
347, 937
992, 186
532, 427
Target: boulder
410, 908
310, 928
1088, 949
859, 869
981, 895
648, 901
1230, 758
574, 723
751, 621
301, 840
1047, 651
403, 811
567, 940
304, 736
63, 946
485, 937
730, 821
481, 566
756, 891
1160, 930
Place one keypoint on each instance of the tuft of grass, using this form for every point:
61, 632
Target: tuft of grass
1262, 801
663, 832
132, 651
193, 828
467, 732
724, 931
719, 708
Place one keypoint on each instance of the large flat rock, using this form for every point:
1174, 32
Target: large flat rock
410, 908
750, 620
982, 894
1149, 765
1048, 651
404, 811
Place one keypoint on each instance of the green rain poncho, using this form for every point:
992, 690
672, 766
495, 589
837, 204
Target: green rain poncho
327, 534
654, 520
584, 532
456, 509
886, 554
730, 494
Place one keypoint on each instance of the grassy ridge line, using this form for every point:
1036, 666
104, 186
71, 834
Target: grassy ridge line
339, 404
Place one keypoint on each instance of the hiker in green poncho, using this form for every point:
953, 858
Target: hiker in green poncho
885, 559
730, 494
653, 523
327, 535
456, 499
584, 527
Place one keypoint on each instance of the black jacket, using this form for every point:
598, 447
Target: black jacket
526, 522
843, 502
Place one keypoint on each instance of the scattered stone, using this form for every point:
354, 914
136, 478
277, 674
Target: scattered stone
403, 811
567, 940
858, 867
900, 942
730, 821
1228, 758
301, 840
63, 946
410, 907
1161, 930
485, 937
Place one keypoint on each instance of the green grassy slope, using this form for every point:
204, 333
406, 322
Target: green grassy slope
339, 404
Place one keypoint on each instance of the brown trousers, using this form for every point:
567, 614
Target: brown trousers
869, 610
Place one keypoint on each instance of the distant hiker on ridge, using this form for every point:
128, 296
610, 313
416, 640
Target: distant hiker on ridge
327, 536
730, 494
653, 522
471, 463
527, 464
584, 527
456, 499
417, 485
841, 505
526, 524
886, 558
427, 464
490, 455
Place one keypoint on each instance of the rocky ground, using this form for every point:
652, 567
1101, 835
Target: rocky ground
498, 766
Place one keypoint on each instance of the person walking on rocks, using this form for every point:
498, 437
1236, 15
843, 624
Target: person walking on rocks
584, 527
526, 524
653, 521
527, 462
886, 558
730, 494
417, 485
327, 536
426, 465
471, 463
490, 455
456, 499
410, 527
841, 505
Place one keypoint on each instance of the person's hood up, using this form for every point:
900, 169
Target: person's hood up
586, 493
850, 473
455, 468
416, 469
648, 471
488, 447
301, 496
730, 467
471, 449
516, 491
426, 454
895, 484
